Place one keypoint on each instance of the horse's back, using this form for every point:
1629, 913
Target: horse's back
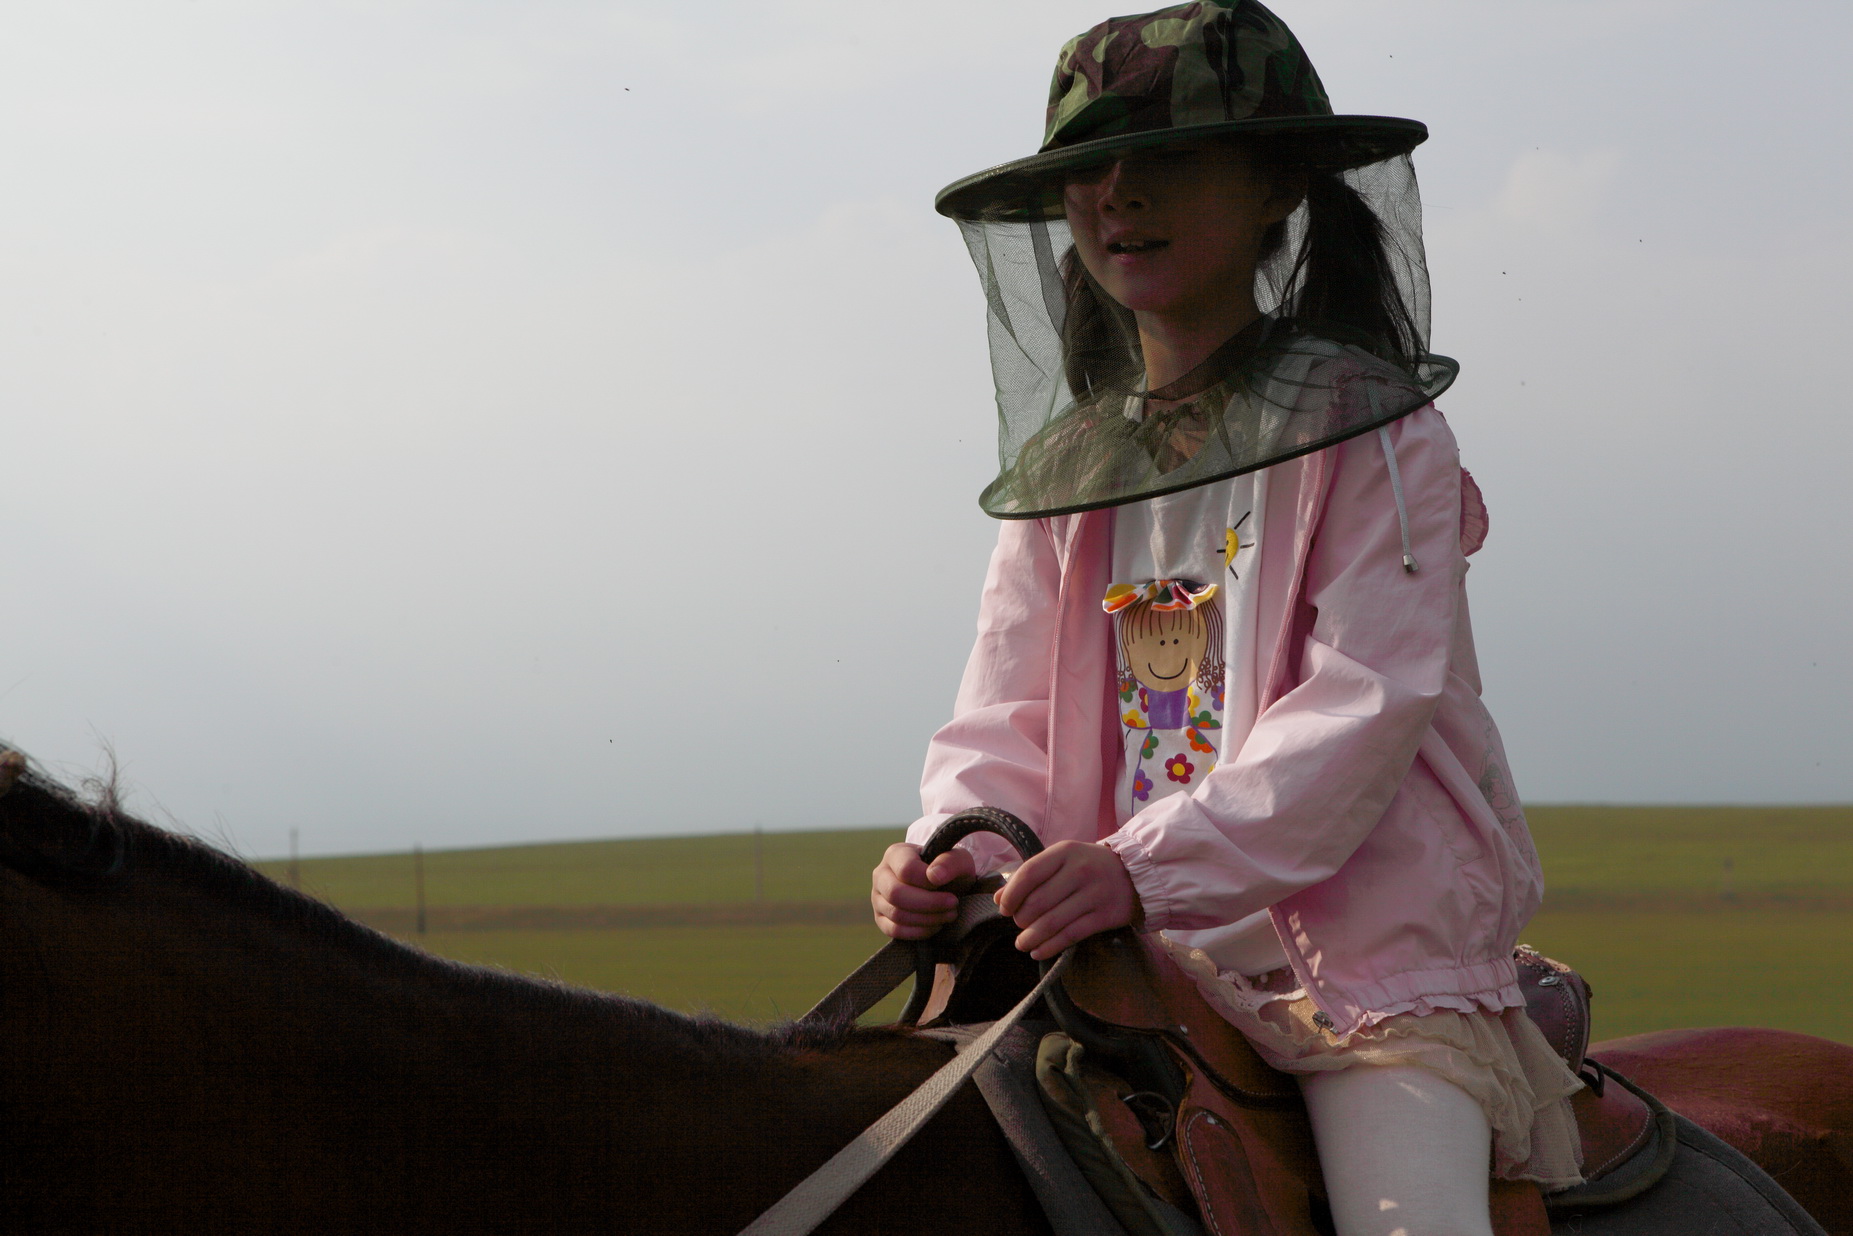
1784, 1100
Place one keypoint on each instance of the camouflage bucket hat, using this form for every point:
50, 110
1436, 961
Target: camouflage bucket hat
1202, 69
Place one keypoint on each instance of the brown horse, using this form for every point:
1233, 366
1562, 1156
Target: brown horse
186, 1046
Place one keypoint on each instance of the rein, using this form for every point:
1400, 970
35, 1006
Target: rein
818, 1195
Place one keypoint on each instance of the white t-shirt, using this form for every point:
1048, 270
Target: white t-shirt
1184, 571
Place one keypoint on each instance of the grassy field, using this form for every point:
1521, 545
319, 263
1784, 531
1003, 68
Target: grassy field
760, 974
686, 888
826, 866
1678, 916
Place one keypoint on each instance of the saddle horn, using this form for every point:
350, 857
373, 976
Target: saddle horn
1141, 1059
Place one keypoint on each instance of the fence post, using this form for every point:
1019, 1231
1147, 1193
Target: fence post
418, 880
759, 863
295, 871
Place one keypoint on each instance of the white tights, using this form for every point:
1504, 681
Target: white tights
1404, 1152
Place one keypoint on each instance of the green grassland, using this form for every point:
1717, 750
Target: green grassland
1640, 855
821, 866
758, 974
1702, 916
1679, 916
752, 971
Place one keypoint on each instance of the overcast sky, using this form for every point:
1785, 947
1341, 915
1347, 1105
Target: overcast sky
477, 422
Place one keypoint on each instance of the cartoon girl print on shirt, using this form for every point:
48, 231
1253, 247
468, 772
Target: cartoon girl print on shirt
1169, 640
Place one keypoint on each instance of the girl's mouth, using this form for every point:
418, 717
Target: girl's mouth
1136, 246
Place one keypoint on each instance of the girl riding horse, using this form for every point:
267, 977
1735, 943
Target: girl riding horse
1224, 665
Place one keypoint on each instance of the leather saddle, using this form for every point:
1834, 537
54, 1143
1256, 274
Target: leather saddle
1148, 1079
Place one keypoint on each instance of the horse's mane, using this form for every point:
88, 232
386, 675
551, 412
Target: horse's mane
51, 835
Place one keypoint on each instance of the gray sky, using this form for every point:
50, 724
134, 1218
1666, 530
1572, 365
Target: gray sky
482, 422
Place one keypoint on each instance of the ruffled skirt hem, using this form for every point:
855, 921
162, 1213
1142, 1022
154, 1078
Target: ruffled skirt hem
1499, 1058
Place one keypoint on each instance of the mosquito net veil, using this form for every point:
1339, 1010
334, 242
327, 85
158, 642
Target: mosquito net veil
1077, 427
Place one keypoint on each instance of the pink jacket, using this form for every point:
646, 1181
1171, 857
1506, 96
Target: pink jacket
1368, 807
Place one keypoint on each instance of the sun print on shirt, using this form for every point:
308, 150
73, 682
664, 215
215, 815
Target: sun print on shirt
1168, 636
1233, 544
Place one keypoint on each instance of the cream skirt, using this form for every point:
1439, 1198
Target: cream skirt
1500, 1059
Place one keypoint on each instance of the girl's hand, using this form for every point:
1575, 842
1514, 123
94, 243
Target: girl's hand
908, 905
1067, 893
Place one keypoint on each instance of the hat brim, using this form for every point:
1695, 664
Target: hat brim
1030, 188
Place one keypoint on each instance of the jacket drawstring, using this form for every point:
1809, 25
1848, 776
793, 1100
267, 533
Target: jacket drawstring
1396, 479
1396, 491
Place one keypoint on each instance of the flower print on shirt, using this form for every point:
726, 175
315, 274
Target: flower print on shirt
1200, 721
1168, 637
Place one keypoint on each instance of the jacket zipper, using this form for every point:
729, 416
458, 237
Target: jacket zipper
1055, 656
1302, 546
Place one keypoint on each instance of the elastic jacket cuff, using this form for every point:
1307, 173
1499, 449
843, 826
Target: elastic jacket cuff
1155, 903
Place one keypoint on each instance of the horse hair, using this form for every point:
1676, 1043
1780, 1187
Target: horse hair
48, 834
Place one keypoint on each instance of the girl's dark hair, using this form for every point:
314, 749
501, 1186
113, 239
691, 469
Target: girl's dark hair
1100, 341
1341, 283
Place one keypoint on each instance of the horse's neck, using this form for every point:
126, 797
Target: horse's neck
161, 963
169, 1045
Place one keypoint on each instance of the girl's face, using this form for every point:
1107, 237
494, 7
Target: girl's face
1164, 647
1175, 231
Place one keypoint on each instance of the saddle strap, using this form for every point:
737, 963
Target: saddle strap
818, 1195
883, 972
866, 986
885, 969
